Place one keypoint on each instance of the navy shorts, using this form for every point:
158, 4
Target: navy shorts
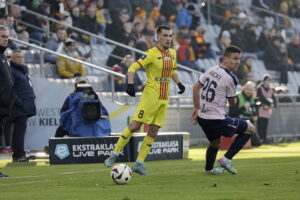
214, 129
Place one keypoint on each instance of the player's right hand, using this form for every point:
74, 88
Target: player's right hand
130, 90
194, 116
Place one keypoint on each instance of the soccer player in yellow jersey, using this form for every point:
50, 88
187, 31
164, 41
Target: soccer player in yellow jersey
160, 65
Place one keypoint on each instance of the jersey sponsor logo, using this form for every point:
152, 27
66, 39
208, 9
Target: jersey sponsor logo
163, 79
167, 58
144, 56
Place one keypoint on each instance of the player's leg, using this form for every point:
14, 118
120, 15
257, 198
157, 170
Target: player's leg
145, 148
211, 154
244, 129
122, 141
214, 145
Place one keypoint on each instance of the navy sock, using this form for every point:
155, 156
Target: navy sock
237, 145
211, 154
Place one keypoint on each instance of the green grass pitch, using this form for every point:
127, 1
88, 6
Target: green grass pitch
267, 172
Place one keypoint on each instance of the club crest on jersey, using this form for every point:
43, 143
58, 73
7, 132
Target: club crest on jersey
144, 56
167, 58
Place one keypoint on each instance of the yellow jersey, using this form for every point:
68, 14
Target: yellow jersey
160, 66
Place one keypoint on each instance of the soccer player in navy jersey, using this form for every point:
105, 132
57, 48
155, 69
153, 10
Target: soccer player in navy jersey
218, 85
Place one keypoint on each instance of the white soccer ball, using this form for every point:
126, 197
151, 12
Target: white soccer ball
121, 174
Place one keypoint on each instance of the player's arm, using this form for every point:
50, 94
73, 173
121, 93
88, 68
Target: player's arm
231, 101
143, 61
231, 91
130, 78
181, 87
196, 100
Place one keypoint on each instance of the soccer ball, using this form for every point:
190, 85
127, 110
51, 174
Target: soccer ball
121, 174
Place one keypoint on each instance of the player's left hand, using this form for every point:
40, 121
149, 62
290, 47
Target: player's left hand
130, 90
181, 88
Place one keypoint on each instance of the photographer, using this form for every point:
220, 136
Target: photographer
245, 107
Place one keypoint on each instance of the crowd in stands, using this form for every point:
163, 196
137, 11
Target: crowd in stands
133, 22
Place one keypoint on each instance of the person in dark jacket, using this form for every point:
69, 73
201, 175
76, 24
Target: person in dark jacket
24, 105
6, 82
119, 52
275, 59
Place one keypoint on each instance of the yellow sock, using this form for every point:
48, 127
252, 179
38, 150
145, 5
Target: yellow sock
123, 140
145, 148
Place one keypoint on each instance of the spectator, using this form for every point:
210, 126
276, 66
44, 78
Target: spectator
168, 9
155, 18
250, 41
294, 51
183, 30
116, 28
245, 107
244, 73
36, 23
2, 20
236, 36
294, 9
24, 106
196, 15
67, 68
115, 7
224, 41
265, 94
83, 114
184, 16
202, 49
140, 15
264, 39
89, 24
6, 95
20, 28
75, 14
120, 83
127, 31
284, 19
186, 54
100, 16
10, 21
274, 58
137, 30
146, 42
55, 43
119, 52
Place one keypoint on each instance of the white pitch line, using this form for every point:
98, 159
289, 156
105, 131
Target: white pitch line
56, 174
25, 182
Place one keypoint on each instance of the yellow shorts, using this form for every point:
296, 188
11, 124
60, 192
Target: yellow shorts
150, 111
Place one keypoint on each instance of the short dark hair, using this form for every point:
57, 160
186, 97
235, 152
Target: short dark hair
231, 49
163, 27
